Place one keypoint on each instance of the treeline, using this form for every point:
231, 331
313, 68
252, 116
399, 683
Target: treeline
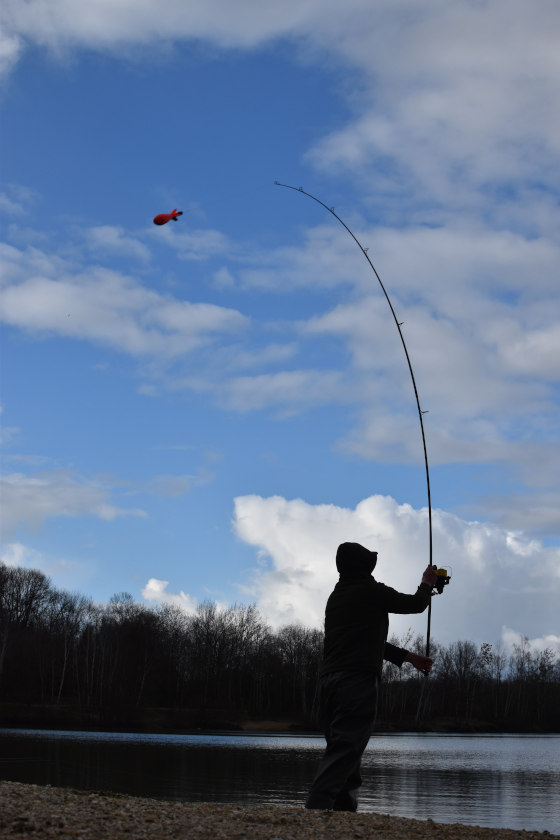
68, 661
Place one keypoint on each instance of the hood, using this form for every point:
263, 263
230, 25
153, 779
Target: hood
355, 561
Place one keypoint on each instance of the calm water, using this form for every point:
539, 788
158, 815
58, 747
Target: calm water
499, 781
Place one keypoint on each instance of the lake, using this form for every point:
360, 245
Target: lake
509, 781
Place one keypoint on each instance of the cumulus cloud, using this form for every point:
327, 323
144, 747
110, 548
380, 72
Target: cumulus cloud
496, 573
156, 590
513, 638
17, 554
28, 500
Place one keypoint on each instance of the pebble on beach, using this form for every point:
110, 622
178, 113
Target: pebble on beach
32, 811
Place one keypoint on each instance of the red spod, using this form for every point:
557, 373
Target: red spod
163, 218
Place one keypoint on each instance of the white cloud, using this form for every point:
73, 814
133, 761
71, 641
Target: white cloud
535, 353
9, 206
68, 574
482, 338
156, 590
290, 391
17, 198
483, 342
223, 278
269, 354
178, 485
194, 244
29, 500
443, 100
447, 106
17, 554
44, 294
484, 298
100, 25
479, 320
7, 433
326, 258
444, 106
108, 239
499, 577
513, 638
530, 512
10, 50
451, 134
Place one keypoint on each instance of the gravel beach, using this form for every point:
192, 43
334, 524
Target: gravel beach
47, 812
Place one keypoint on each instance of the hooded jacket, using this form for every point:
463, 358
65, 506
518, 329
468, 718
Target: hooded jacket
357, 615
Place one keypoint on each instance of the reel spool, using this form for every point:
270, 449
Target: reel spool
443, 578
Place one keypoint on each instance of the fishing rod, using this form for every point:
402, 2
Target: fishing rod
443, 579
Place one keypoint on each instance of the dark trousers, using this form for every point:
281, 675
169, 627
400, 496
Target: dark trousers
348, 702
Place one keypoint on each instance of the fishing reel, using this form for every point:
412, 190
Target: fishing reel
443, 578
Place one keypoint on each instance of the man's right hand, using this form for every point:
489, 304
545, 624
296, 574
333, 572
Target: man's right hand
421, 663
429, 577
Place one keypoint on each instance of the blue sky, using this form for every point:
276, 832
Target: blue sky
205, 410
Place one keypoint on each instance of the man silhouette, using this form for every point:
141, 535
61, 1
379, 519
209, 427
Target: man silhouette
356, 627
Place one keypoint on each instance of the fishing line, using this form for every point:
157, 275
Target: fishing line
420, 412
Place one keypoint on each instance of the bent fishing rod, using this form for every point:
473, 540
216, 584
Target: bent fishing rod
443, 579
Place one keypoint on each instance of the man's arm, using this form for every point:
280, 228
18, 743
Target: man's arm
394, 654
398, 655
398, 602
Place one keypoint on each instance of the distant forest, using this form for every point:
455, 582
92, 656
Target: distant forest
68, 662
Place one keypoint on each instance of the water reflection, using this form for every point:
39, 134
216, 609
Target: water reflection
501, 781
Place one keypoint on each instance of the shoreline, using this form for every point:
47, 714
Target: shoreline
44, 813
268, 726
186, 720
